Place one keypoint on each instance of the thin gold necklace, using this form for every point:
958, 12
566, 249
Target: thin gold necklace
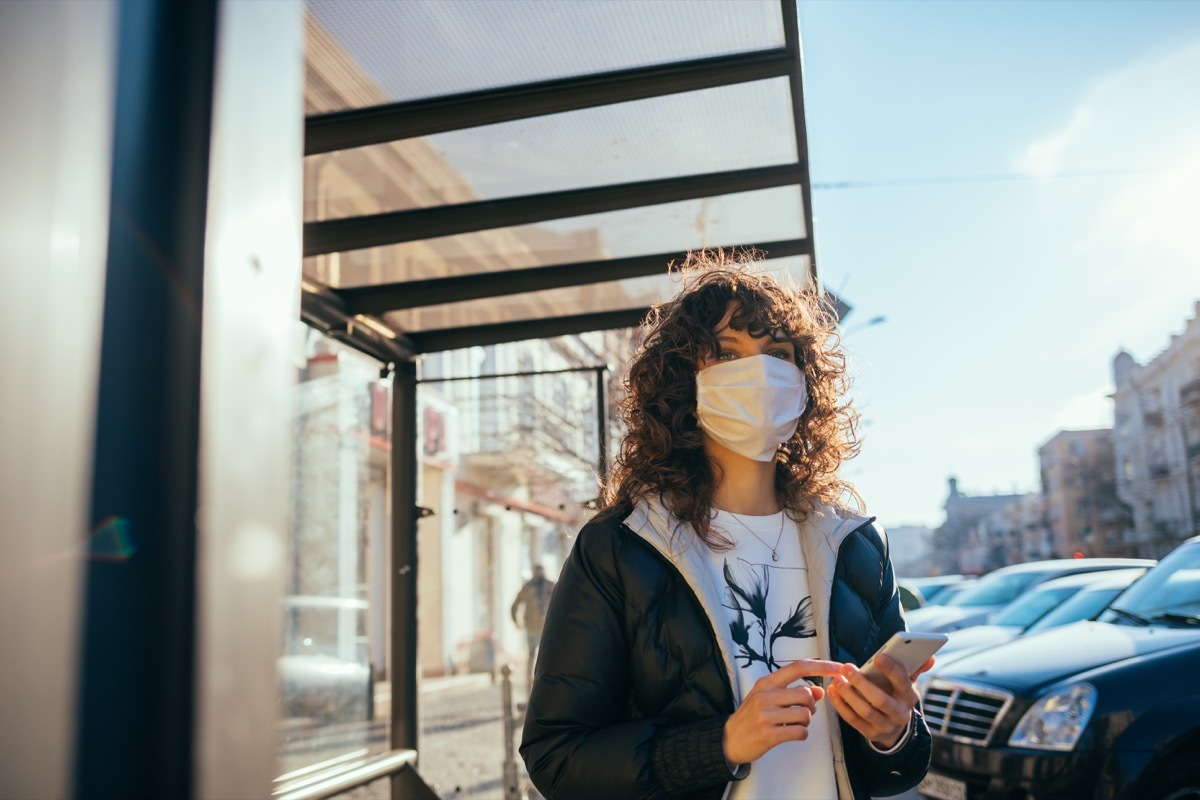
778, 539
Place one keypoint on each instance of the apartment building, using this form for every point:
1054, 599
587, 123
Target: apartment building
1156, 443
1083, 513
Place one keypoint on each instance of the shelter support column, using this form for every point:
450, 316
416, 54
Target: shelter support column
404, 661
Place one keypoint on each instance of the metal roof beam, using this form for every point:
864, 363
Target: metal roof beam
326, 312
381, 298
356, 233
791, 38
434, 341
359, 127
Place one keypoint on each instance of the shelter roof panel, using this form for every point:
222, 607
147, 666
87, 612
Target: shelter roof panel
455, 324
722, 129
726, 220
489, 171
428, 48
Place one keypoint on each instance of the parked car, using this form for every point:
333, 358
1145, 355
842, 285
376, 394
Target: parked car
920, 592
997, 589
1096, 709
1088, 603
946, 596
320, 676
1047, 605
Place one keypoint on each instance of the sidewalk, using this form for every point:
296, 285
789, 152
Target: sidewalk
462, 737
462, 740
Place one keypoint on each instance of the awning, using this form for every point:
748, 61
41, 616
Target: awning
484, 172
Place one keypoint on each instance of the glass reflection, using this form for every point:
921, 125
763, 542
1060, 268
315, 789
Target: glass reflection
333, 670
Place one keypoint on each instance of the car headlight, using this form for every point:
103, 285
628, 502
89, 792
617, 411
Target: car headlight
1057, 720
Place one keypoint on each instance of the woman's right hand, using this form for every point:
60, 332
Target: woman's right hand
772, 713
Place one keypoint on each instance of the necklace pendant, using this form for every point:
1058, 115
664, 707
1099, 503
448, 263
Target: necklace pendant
774, 556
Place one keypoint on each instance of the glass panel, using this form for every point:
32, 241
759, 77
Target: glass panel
375, 53
733, 219
507, 465
608, 296
334, 662
715, 130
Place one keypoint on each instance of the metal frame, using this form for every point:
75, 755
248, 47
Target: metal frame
137, 708
381, 298
403, 566
433, 341
358, 127
791, 37
248, 394
332, 783
326, 311
601, 400
397, 227
334, 310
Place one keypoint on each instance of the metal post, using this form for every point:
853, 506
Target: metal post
512, 791
136, 707
404, 662
601, 425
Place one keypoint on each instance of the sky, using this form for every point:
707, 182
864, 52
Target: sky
1026, 185
1005, 301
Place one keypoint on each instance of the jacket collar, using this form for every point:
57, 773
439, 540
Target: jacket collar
821, 535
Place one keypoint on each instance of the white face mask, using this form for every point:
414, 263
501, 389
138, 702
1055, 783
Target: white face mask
751, 405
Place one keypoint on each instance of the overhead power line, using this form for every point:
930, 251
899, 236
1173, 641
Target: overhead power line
872, 183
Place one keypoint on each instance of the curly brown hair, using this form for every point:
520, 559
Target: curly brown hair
663, 451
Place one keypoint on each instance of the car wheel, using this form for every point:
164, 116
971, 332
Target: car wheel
1180, 782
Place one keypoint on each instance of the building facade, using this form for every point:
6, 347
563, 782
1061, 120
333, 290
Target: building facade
1083, 513
969, 540
1156, 443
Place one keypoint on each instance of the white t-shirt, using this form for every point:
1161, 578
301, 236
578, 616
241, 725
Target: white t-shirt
768, 607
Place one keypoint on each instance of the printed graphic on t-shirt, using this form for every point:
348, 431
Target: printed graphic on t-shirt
760, 638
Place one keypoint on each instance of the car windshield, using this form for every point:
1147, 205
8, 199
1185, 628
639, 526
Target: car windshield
1084, 605
997, 589
946, 597
931, 588
1030, 607
1169, 593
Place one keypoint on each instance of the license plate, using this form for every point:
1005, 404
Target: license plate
942, 788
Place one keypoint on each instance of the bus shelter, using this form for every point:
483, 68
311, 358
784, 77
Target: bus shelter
408, 180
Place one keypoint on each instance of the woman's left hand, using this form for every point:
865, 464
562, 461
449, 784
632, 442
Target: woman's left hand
880, 715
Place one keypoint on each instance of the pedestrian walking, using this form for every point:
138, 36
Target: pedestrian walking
533, 599
708, 627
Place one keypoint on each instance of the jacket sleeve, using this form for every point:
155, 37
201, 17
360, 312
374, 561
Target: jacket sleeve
885, 774
580, 741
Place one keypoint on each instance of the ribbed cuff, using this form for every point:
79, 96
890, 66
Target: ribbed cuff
690, 757
904, 737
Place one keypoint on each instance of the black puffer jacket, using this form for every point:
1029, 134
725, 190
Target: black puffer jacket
631, 695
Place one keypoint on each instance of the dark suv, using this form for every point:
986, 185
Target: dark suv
1107, 709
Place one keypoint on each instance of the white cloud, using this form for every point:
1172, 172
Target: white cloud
1132, 238
1157, 214
1144, 115
1044, 157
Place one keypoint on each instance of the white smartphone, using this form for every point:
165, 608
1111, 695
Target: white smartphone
910, 650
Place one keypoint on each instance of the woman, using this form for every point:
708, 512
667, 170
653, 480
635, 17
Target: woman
723, 572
